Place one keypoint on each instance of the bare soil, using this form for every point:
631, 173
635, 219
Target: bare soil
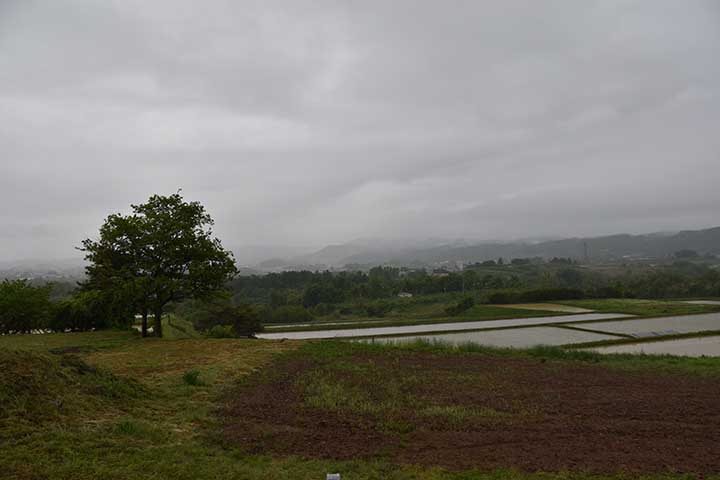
544, 415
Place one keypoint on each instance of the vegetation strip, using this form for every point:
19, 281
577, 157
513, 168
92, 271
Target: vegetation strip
634, 340
601, 332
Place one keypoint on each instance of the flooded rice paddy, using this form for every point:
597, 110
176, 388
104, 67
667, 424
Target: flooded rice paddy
687, 347
515, 337
645, 326
528, 332
440, 327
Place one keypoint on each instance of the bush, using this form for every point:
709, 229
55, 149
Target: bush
192, 378
535, 295
463, 305
323, 309
291, 314
222, 319
377, 310
221, 331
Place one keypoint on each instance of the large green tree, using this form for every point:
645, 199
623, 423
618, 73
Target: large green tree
163, 252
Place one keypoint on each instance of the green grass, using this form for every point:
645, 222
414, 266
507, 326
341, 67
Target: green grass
640, 307
106, 339
689, 365
175, 328
122, 409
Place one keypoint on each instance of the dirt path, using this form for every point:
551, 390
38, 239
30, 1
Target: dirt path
478, 411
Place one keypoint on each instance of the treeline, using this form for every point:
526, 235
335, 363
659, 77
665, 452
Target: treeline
313, 288
560, 281
28, 308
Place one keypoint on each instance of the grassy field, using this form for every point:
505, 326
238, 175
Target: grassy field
111, 405
641, 307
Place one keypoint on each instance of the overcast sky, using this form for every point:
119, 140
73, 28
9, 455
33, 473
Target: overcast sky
316, 122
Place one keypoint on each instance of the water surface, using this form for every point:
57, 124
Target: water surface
515, 337
688, 347
440, 327
679, 324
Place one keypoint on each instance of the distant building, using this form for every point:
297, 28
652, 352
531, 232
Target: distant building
405, 295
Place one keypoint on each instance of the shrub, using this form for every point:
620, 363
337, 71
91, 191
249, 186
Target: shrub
463, 305
291, 314
192, 378
222, 319
377, 310
221, 331
323, 309
535, 295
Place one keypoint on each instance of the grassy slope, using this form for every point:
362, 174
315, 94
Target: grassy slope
168, 430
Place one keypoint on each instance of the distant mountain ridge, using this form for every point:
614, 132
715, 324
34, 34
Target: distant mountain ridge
420, 253
604, 248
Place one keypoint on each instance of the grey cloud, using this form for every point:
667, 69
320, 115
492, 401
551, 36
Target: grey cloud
317, 122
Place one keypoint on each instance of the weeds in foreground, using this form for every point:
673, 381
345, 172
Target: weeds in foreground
192, 378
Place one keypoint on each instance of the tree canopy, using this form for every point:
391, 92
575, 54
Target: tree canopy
23, 307
163, 252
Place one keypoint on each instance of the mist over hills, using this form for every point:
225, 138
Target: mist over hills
419, 253
437, 252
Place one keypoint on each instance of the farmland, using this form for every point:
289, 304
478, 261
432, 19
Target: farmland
112, 405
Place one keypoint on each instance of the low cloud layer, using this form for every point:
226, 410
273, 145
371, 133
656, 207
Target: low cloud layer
316, 122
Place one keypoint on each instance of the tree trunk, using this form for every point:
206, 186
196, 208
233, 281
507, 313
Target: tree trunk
144, 322
158, 323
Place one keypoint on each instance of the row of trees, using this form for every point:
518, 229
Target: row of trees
312, 289
162, 252
26, 308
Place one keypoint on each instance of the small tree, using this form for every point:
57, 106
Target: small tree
163, 252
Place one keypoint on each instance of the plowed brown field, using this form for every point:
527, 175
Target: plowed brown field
480, 411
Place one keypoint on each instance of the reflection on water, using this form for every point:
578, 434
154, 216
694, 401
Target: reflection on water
681, 324
516, 337
688, 347
440, 327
